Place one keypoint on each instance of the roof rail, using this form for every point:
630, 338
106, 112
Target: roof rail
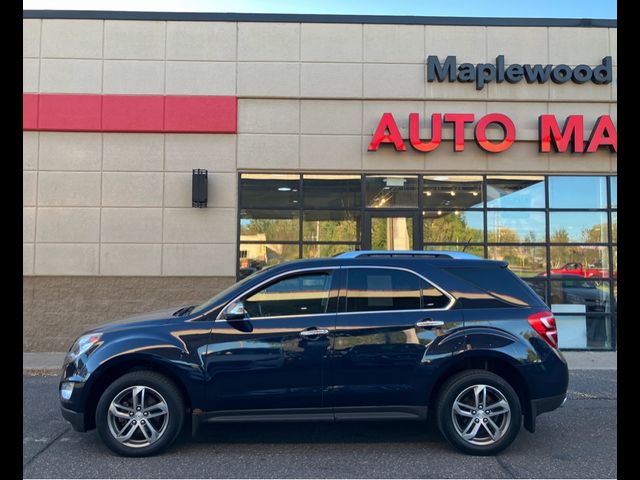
409, 253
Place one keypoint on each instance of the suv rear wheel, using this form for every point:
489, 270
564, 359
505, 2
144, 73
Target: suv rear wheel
478, 412
140, 414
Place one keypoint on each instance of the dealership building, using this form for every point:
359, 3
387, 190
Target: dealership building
168, 154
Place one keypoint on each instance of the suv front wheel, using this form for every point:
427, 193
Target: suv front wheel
478, 412
140, 414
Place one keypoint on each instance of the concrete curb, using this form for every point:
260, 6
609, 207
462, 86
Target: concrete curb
42, 363
592, 360
50, 363
41, 372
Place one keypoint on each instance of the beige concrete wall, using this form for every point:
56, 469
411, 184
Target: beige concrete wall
333, 135
298, 60
120, 204
310, 97
59, 308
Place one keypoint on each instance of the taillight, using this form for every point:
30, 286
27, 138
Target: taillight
545, 324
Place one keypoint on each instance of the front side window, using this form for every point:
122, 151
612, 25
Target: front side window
378, 289
306, 294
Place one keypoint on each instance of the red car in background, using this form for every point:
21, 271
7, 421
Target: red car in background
575, 268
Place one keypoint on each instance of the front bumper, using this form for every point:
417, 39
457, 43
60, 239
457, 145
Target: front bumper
75, 418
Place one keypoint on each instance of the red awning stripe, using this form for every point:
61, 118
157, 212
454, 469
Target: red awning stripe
129, 113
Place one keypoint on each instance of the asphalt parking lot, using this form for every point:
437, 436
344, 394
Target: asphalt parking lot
578, 440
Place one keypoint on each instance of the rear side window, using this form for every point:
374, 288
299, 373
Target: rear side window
432, 297
498, 282
378, 289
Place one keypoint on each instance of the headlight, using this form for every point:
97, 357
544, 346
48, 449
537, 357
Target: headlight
84, 344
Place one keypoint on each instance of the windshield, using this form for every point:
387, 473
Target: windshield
212, 301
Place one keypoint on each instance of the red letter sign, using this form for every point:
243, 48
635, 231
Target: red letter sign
508, 128
387, 123
549, 134
414, 132
604, 125
458, 119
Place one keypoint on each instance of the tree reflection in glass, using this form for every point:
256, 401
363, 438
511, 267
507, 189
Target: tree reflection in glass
453, 227
331, 226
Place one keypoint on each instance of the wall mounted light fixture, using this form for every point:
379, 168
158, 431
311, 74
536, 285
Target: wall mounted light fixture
199, 188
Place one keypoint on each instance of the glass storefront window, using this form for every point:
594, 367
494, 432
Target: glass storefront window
524, 261
477, 250
577, 192
453, 191
614, 192
387, 191
256, 256
614, 227
516, 227
331, 226
580, 330
577, 290
582, 227
269, 190
453, 227
269, 225
515, 192
319, 250
584, 260
332, 191
558, 233
392, 233
539, 285
599, 331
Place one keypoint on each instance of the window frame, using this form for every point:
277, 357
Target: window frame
342, 310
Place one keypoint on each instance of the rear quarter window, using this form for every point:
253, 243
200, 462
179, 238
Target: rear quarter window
499, 283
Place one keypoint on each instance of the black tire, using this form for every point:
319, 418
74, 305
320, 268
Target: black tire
510, 423
171, 426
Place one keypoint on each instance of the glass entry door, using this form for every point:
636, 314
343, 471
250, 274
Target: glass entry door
390, 230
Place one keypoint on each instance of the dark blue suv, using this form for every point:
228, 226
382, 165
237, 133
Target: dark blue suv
363, 335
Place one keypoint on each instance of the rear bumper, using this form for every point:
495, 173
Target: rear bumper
542, 405
76, 419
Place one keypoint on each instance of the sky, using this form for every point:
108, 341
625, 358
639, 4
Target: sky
454, 8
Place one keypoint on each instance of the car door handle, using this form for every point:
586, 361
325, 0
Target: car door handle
428, 323
313, 333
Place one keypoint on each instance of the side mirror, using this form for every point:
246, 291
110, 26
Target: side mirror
235, 311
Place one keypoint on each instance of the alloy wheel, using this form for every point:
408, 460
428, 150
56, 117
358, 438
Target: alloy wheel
138, 416
481, 414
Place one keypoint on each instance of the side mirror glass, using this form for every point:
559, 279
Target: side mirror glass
235, 311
